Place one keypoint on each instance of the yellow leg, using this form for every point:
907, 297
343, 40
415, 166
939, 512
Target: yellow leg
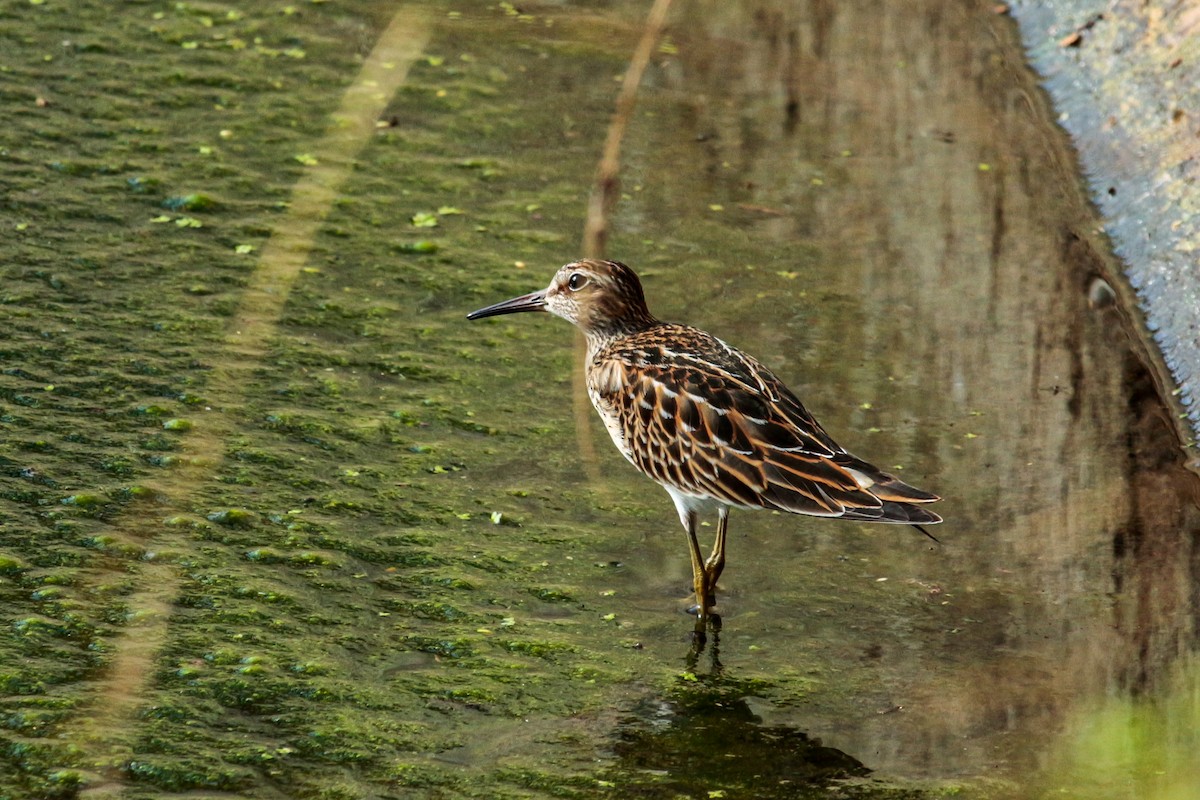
704, 598
716, 560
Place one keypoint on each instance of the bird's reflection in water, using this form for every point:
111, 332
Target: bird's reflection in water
703, 737
700, 641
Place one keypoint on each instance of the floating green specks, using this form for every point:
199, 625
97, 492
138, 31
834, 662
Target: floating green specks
253, 665
310, 558
307, 159
141, 185
233, 517
423, 219
197, 201
424, 246
48, 594
10, 564
151, 410
244, 249
267, 555
178, 424
137, 492
34, 626
183, 222
83, 500
550, 595
69, 778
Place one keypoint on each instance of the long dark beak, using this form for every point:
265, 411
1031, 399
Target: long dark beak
534, 301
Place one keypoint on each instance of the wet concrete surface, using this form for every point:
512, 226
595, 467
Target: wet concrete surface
371, 558
1125, 80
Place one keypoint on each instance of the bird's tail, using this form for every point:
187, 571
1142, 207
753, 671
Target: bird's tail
902, 503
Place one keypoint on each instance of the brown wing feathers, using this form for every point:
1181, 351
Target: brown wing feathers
711, 431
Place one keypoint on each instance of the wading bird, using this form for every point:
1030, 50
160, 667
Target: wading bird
711, 425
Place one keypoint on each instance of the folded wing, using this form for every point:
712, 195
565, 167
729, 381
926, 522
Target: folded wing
723, 426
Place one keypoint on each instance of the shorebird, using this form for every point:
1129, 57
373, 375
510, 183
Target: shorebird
707, 422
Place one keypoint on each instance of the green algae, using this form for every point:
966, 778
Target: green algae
234, 518
197, 201
84, 500
10, 565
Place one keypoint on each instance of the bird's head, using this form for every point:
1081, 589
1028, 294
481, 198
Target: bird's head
603, 298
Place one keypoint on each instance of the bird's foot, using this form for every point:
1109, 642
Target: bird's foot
704, 618
694, 609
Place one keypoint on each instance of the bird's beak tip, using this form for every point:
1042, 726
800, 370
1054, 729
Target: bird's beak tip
534, 301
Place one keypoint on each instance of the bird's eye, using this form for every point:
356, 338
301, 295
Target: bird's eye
577, 281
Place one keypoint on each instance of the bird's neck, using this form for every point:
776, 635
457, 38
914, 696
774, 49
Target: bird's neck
610, 332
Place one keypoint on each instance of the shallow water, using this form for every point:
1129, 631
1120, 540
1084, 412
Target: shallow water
280, 523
